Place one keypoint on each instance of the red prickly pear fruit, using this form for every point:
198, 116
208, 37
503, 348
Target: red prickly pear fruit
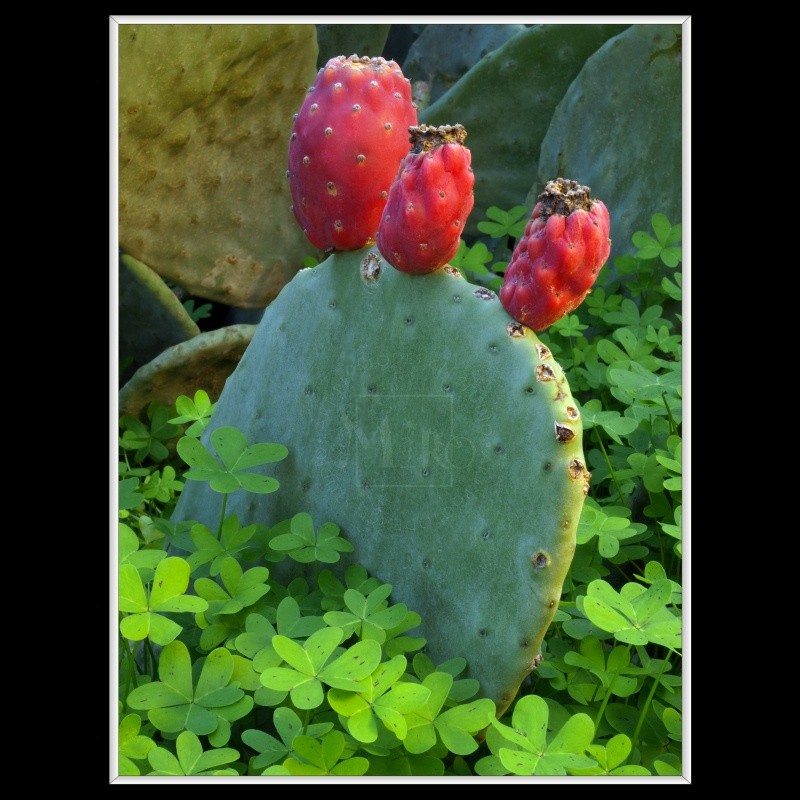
558, 257
347, 141
429, 201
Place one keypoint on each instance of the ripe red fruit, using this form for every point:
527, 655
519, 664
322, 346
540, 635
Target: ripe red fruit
429, 201
347, 141
558, 257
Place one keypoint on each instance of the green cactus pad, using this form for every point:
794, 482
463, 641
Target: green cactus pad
151, 318
438, 433
443, 53
618, 130
205, 113
204, 362
506, 101
346, 40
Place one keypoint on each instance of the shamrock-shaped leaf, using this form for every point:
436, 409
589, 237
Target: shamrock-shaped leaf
611, 422
239, 589
609, 530
309, 668
130, 496
304, 546
664, 245
454, 727
523, 748
237, 458
131, 745
174, 703
380, 697
233, 540
129, 553
146, 618
367, 616
322, 757
148, 442
472, 259
161, 485
191, 759
505, 223
197, 412
634, 615
355, 577
288, 725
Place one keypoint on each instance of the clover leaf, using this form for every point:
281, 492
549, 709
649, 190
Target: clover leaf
175, 703
197, 411
454, 727
237, 457
611, 757
129, 553
322, 757
302, 545
131, 745
309, 668
505, 223
634, 615
380, 697
367, 616
288, 725
523, 747
355, 577
233, 539
191, 759
146, 610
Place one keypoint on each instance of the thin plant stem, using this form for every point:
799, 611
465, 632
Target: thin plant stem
599, 716
149, 649
222, 515
646, 707
672, 425
131, 659
608, 464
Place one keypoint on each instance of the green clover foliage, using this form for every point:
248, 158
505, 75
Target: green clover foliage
237, 458
196, 411
634, 615
380, 697
321, 758
368, 617
310, 665
288, 726
454, 727
146, 609
131, 745
611, 758
175, 703
303, 545
523, 748
191, 759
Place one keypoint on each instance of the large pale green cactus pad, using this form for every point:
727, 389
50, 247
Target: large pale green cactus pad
439, 434
619, 127
205, 114
506, 101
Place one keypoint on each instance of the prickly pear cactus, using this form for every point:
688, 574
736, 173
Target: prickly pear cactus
443, 53
506, 101
626, 100
204, 362
151, 318
204, 115
438, 433
337, 39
